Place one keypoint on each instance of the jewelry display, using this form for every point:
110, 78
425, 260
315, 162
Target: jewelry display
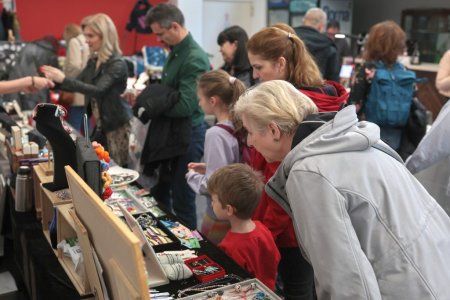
251, 289
63, 194
204, 268
128, 201
50, 123
214, 284
183, 233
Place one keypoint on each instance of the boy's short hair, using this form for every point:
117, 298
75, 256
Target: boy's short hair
237, 185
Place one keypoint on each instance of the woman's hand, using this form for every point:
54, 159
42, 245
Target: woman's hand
130, 96
53, 73
197, 167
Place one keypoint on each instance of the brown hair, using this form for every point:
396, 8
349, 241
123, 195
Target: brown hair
71, 31
386, 42
219, 83
237, 185
280, 40
228, 88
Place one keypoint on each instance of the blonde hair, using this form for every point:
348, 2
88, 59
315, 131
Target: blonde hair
280, 40
102, 25
275, 101
71, 31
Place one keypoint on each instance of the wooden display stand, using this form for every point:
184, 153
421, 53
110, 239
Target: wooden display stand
49, 201
70, 226
118, 249
14, 156
47, 168
39, 177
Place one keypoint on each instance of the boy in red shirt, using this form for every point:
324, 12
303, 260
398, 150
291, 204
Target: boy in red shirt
235, 192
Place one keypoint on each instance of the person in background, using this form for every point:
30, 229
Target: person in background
235, 191
385, 43
367, 236
233, 42
102, 81
218, 92
25, 84
278, 53
319, 45
443, 75
77, 55
185, 63
342, 46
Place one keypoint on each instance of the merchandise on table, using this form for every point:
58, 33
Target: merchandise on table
131, 204
251, 289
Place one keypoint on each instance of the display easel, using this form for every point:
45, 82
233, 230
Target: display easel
118, 249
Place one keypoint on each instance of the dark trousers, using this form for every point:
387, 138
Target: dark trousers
175, 193
297, 275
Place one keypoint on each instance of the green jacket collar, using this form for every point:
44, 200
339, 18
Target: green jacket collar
184, 44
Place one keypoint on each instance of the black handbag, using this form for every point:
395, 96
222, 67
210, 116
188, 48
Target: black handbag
99, 136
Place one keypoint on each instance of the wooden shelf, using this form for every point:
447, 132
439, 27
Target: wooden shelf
47, 236
66, 229
38, 178
49, 201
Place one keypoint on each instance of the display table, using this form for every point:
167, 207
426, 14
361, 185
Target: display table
47, 275
41, 272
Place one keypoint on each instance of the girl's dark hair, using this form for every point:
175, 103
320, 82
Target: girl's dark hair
236, 34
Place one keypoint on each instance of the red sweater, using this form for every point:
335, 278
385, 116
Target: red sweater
255, 252
268, 211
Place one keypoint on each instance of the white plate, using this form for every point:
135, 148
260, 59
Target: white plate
121, 176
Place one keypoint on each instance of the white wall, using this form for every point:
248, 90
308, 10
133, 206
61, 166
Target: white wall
199, 21
368, 12
193, 16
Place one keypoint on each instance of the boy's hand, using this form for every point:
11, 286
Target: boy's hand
197, 167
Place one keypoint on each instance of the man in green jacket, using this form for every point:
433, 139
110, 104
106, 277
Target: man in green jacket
186, 62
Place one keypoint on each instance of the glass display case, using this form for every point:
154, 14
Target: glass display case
430, 28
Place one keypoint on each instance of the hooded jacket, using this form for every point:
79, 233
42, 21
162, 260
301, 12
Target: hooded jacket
372, 232
329, 97
323, 49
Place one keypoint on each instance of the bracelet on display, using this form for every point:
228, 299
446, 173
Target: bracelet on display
216, 283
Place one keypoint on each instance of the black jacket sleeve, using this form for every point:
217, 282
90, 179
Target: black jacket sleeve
111, 72
154, 100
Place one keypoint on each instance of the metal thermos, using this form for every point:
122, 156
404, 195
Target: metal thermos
23, 189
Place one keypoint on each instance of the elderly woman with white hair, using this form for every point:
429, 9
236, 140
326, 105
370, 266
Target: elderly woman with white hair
368, 228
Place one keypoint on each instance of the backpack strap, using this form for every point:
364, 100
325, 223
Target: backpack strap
227, 128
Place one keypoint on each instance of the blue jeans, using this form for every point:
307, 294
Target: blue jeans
296, 274
177, 194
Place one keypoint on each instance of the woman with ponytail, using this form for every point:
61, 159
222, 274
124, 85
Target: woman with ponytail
277, 53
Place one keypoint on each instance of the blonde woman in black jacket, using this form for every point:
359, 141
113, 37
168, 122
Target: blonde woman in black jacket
102, 82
